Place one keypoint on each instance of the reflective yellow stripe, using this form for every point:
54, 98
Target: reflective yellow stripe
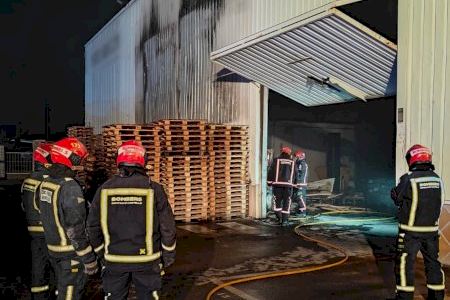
403, 270
55, 188
69, 292
132, 258
74, 263
32, 185
419, 228
39, 289
85, 251
412, 212
57, 248
155, 295
103, 218
169, 248
405, 288
149, 221
35, 229
149, 256
99, 248
31, 181
436, 287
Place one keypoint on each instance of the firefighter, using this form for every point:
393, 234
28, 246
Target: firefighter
419, 197
63, 212
299, 193
40, 263
282, 177
131, 218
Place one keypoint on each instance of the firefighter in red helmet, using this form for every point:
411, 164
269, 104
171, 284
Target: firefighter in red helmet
63, 212
299, 193
419, 197
282, 177
131, 219
40, 263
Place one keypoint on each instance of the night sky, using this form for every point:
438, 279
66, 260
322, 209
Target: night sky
42, 59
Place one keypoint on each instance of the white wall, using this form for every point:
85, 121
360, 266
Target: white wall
423, 90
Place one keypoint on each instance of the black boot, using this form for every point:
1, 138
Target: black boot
285, 223
435, 295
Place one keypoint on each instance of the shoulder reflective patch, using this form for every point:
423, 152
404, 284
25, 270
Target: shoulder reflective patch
68, 179
80, 200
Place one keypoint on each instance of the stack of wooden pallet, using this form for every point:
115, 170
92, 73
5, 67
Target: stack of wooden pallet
83, 134
86, 136
228, 171
148, 135
185, 168
203, 167
98, 151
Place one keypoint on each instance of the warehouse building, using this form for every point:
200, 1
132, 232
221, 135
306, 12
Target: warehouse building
353, 83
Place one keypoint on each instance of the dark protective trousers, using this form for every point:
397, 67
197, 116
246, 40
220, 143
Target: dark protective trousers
41, 271
282, 202
71, 279
117, 283
407, 248
299, 196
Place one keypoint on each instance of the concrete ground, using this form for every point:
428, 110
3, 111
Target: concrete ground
209, 254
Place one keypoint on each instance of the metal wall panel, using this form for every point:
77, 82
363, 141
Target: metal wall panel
423, 90
182, 82
113, 69
242, 18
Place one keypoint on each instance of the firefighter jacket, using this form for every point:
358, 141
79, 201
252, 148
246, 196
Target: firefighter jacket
63, 212
419, 196
283, 172
29, 203
131, 218
302, 172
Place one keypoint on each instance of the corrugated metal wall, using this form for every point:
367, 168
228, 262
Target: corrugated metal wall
423, 90
113, 69
115, 59
242, 18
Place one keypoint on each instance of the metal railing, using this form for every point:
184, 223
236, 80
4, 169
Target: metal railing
19, 162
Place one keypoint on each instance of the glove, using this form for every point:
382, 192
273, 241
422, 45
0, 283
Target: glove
91, 268
168, 258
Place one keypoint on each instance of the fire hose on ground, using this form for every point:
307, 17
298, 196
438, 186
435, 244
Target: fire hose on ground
307, 269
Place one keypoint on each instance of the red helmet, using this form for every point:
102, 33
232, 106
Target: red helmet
300, 154
69, 152
131, 153
286, 149
418, 154
42, 153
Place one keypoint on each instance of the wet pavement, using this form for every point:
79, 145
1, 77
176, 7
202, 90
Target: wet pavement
212, 253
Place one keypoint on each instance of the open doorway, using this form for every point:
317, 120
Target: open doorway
353, 144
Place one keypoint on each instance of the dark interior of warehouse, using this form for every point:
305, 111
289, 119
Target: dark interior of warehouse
354, 143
